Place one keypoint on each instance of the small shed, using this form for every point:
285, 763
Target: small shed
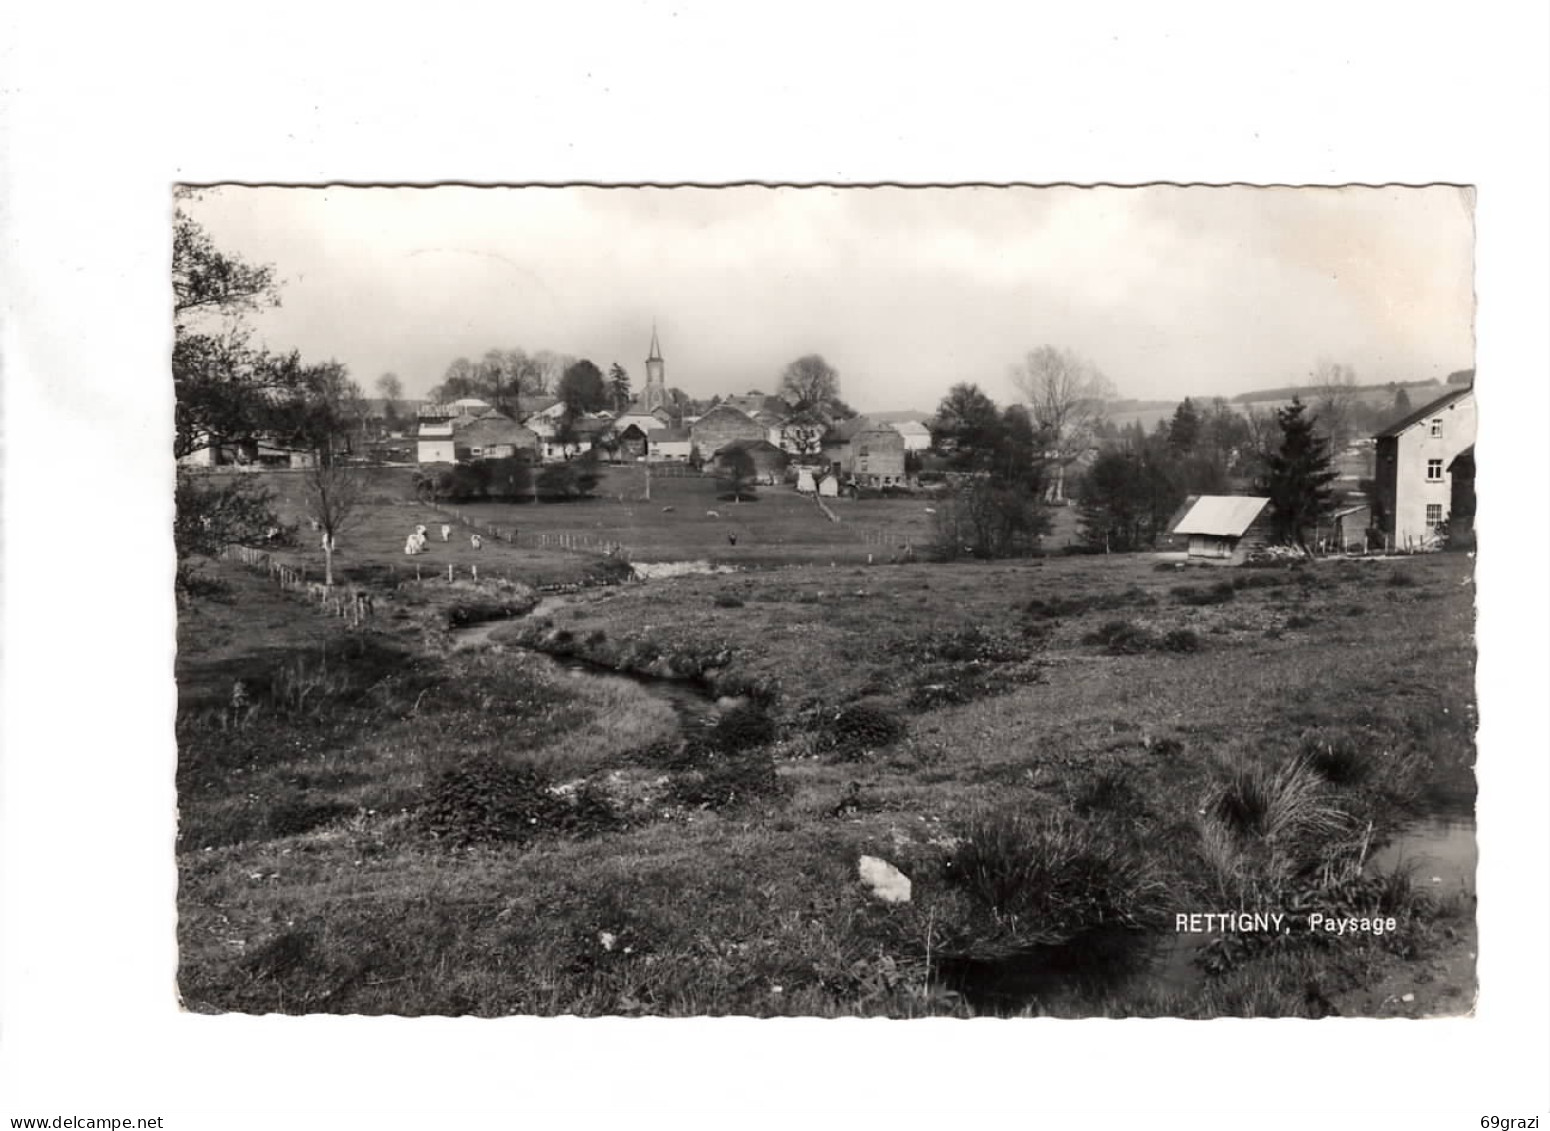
805, 483
829, 487
1224, 526
1351, 526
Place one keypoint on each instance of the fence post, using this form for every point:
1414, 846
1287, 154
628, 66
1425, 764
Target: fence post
449, 571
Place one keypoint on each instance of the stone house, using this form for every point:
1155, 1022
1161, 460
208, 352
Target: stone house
1414, 486
867, 451
769, 462
721, 426
494, 436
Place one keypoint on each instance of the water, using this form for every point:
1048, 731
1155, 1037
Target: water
652, 571
1440, 852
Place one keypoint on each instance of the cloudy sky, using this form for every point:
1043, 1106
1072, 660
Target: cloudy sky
1170, 291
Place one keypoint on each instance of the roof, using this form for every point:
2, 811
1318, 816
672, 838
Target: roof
749, 446
909, 427
725, 407
1346, 512
494, 430
670, 436
1420, 414
1226, 516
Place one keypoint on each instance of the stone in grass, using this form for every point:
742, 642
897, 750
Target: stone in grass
885, 881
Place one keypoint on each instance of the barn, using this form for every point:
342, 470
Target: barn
721, 426
1224, 526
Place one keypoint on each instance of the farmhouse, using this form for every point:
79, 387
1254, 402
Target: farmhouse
630, 442
670, 445
917, 437
1224, 526
867, 451
769, 462
493, 436
721, 426
1414, 485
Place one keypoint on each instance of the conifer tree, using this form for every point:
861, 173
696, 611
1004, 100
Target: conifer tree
1298, 475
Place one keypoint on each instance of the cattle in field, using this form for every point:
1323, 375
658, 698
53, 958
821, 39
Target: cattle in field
712, 514
476, 542
446, 532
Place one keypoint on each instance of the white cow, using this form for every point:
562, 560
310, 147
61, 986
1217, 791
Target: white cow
476, 542
420, 530
411, 545
446, 532
712, 514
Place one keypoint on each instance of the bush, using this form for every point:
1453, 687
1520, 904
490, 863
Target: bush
1053, 607
1045, 877
728, 601
854, 731
1300, 620
489, 800
727, 782
1400, 579
1218, 594
1339, 760
743, 727
1122, 638
1181, 640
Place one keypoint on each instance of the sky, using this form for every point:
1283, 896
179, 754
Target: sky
1170, 291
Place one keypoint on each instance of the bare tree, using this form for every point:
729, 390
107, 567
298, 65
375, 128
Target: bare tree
334, 492
1066, 396
1334, 401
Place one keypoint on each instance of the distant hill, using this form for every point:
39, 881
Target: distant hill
1309, 392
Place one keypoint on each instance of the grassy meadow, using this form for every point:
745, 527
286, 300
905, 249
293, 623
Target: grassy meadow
1060, 753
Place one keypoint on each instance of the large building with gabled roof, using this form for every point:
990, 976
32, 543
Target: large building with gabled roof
1414, 492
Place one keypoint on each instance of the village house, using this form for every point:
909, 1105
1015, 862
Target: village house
433, 440
769, 462
1414, 485
629, 443
494, 436
917, 437
720, 427
1225, 526
865, 451
670, 445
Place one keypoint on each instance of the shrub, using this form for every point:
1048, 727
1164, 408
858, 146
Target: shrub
490, 800
1276, 804
728, 601
729, 781
1339, 760
1218, 594
743, 727
1075, 606
1109, 791
1122, 638
1400, 579
1181, 640
854, 731
1045, 877
1300, 620
1356, 611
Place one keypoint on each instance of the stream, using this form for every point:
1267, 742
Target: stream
1439, 852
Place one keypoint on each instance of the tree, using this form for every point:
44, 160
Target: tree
989, 518
966, 427
1401, 407
224, 388
572, 479
582, 389
1335, 401
810, 382
391, 390
1066, 395
741, 473
1184, 428
619, 386
1127, 497
1298, 474
334, 490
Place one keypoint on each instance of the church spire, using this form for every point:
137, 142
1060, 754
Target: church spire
656, 350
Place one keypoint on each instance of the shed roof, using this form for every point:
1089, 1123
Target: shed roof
1221, 515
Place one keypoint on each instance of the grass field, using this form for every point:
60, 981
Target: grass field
1060, 753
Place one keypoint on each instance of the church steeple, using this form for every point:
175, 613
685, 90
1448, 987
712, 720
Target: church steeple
655, 394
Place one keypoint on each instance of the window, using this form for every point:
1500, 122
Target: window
1433, 515
1437, 426
1434, 471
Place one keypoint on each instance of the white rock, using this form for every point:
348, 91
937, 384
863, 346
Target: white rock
887, 882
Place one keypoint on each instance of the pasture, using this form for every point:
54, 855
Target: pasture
393, 827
